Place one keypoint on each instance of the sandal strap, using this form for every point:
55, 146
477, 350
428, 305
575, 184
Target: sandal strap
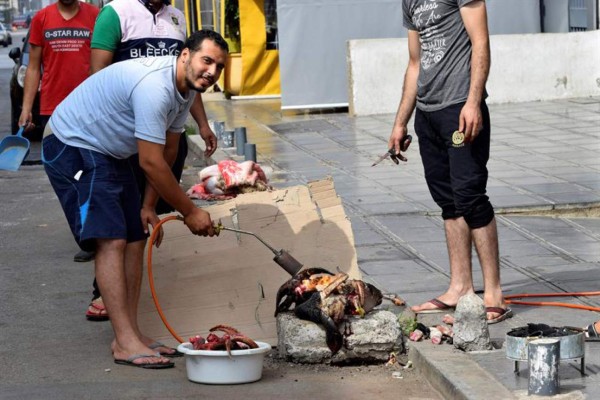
496, 310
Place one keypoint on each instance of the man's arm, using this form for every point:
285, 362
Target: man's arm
474, 16
197, 111
169, 154
32, 83
105, 39
409, 92
100, 59
159, 176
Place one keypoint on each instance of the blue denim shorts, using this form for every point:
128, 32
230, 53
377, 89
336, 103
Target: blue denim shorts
98, 193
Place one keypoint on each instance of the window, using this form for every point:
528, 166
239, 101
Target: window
271, 24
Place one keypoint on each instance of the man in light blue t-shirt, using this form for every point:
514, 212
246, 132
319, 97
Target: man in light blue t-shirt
136, 106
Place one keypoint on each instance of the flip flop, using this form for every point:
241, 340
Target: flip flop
130, 362
156, 345
96, 316
591, 334
505, 313
440, 307
84, 256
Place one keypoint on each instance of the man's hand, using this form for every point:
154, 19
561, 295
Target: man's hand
25, 120
149, 217
397, 136
199, 223
470, 121
210, 141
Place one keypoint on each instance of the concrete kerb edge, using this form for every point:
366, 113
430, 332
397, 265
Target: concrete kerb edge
454, 374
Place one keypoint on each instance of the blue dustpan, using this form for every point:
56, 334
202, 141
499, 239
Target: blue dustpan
13, 150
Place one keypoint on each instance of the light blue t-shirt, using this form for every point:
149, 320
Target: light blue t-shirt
126, 101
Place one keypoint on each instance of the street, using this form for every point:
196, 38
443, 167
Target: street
6, 69
543, 181
17, 41
50, 351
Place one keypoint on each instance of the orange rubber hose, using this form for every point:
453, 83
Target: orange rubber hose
552, 303
151, 277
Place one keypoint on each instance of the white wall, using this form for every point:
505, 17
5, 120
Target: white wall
524, 68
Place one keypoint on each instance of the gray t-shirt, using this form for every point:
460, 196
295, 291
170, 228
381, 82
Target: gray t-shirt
126, 101
445, 72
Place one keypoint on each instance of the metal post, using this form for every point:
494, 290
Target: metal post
250, 152
544, 359
219, 127
240, 140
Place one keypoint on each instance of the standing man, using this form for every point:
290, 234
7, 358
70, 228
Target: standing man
135, 106
449, 62
59, 39
128, 29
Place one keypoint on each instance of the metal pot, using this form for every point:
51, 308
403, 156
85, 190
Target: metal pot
571, 346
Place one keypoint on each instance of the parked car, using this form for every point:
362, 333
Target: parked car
5, 36
20, 55
20, 22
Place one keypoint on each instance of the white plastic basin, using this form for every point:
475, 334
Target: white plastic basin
218, 368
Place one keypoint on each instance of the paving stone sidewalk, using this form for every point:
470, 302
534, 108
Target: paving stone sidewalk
544, 183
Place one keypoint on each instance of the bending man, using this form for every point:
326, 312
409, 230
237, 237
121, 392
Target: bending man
136, 106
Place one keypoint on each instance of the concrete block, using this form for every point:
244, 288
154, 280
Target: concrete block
374, 338
470, 327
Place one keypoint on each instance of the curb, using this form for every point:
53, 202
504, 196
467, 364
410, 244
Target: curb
454, 374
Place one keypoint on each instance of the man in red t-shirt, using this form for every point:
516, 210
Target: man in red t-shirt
59, 37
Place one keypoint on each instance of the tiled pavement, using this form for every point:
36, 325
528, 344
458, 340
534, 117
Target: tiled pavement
544, 182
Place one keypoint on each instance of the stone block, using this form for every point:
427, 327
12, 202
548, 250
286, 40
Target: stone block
471, 331
373, 339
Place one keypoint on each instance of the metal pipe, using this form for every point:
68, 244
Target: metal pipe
276, 252
282, 257
544, 359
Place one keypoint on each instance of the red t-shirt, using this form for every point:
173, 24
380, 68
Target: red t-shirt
65, 51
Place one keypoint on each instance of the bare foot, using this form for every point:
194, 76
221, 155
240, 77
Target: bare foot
494, 303
157, 346
123, 353
448, 319
439, 304
96, 310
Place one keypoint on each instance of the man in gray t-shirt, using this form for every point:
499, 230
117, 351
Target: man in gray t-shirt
449, 61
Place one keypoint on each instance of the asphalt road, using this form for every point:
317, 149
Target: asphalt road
5, 61
49, 351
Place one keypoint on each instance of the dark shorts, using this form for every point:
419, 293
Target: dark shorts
455, 172
103, 202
